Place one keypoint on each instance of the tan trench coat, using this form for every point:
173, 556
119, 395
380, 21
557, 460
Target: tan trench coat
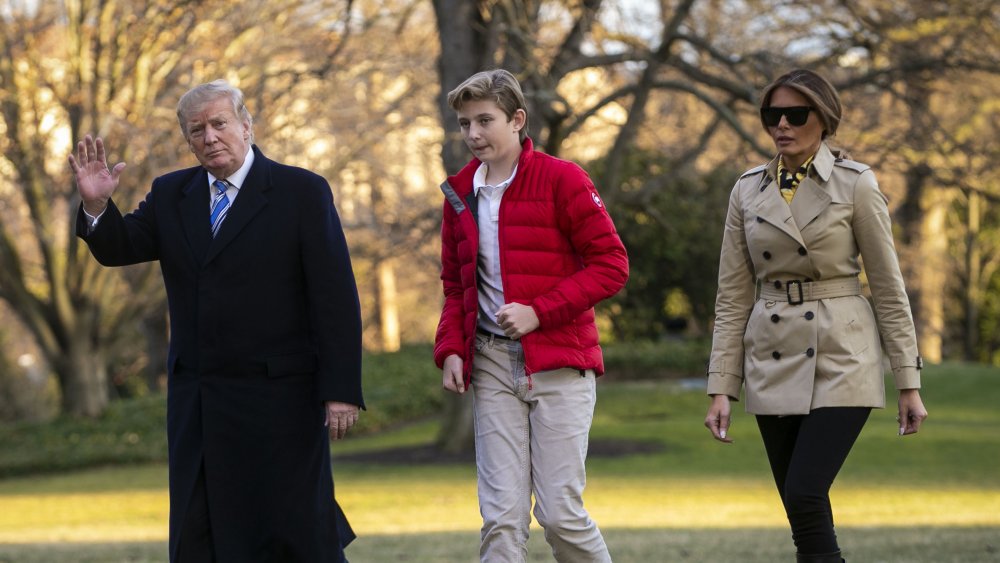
794, 357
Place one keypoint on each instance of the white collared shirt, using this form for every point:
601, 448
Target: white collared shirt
488, 267
235, 181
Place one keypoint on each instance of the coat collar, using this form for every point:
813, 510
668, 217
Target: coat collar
810, 198
462, 182
194, 208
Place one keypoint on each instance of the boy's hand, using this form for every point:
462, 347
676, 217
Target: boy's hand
451, 374
516, 320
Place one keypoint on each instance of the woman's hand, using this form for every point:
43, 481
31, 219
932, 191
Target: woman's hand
911, 411
718, 418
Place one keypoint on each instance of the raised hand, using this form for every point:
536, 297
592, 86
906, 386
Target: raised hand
94, 180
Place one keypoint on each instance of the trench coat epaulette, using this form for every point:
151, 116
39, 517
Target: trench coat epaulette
754, 170
855, 166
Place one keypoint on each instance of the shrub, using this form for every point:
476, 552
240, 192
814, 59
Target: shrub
665, 359
399, 386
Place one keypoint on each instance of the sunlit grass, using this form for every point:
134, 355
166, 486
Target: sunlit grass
444, 499
941, 485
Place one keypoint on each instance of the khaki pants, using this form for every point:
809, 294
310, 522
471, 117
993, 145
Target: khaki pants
531, 438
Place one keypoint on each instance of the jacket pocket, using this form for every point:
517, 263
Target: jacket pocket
303, 363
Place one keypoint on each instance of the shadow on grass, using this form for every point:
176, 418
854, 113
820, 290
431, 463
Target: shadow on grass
744, 545
429, 454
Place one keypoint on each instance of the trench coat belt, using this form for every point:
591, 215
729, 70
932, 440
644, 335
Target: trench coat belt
796, 291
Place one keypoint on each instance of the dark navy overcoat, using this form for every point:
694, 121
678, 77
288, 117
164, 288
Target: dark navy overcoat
264, 327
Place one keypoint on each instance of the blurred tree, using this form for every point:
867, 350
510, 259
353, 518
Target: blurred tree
616, 81
671, 224
116, 68
65, 69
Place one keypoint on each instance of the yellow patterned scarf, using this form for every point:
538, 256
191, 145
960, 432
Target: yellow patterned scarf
788, 182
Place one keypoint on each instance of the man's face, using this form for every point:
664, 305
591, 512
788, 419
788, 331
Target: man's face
218, 137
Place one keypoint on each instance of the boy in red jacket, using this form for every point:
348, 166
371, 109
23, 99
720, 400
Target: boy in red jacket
527, 250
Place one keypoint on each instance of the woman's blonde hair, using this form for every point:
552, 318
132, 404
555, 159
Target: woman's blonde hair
822, 96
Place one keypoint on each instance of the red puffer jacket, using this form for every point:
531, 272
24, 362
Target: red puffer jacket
559, 253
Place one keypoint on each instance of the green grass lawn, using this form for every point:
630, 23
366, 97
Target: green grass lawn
933, 497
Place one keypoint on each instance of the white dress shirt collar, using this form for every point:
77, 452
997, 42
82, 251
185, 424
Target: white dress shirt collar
479, 179
237, 178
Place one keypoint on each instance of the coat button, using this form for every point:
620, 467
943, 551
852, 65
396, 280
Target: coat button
803, 251
760, 219
777, 284
776, 355
810, 352
767, 255
775, 318
809, 315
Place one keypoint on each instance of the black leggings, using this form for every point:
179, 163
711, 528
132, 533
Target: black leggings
806, 452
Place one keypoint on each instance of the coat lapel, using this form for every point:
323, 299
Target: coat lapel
771, 207
249, 202
194, 213
810, 198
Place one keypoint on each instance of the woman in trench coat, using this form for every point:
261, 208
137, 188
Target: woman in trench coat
792, 326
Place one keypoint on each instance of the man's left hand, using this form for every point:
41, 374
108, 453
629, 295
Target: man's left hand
516, 319
340, 417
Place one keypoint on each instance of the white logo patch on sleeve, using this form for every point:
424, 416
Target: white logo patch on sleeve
597, 199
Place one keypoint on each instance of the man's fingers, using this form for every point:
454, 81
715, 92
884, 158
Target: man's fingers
99, 153
339, 425
90, 147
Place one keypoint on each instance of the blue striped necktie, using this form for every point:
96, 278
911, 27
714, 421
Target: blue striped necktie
220, 206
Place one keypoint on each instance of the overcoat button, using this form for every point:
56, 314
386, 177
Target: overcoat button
775, 318
803, 251
776, 355
810, 352
760, 219
809, 315
767, 255
777, 284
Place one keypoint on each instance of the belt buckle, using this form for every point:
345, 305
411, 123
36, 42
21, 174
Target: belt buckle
788, 292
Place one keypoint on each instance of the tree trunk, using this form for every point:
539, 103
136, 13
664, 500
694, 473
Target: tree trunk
388, 307
921, 218
458, 432
933, 272
83, 377
973, 272
464, 38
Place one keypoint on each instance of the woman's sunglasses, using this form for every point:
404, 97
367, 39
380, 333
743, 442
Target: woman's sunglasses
796, 115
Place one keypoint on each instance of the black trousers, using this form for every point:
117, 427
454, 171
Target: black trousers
195, 544
806, 452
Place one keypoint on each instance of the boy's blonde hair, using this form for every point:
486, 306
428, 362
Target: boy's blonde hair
496, 85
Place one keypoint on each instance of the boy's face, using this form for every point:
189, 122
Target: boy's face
491, 137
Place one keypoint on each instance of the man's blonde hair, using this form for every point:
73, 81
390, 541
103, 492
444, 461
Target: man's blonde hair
201, 94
